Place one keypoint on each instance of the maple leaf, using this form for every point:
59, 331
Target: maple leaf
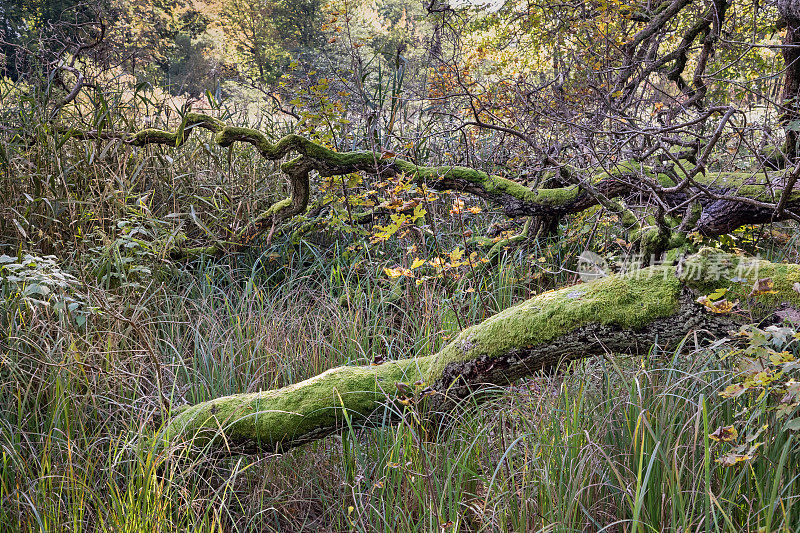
397, 272
417, 263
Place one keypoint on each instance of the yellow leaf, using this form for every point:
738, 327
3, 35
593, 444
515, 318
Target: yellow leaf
720, 307
393, 272
724, 434
437, 262
730, 459
417, 263
763, 286
733, 391
458, 207
717, 294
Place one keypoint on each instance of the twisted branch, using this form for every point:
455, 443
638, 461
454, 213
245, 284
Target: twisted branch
728, 199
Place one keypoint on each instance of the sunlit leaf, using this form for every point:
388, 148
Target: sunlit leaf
417, 263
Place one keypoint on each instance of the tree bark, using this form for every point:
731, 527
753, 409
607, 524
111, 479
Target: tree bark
623, 314
790, 11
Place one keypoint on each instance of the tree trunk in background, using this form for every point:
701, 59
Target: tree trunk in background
727, 199
790, 11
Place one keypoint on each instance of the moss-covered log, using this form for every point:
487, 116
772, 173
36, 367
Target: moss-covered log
726, 200
621, 313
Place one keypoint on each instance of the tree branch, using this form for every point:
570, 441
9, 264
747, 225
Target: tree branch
516, 200
623, 313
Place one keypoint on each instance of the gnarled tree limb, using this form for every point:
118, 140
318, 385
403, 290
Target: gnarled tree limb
621, 313
727, 199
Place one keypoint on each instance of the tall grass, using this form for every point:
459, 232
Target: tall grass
603, 445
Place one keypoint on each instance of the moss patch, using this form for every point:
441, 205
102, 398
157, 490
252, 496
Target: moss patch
271, 418
710, 269
278, 207
629, 301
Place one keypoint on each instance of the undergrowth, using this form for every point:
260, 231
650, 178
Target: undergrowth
101, 336
611, 444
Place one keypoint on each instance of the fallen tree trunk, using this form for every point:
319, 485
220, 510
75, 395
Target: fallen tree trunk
725, 200
621, 313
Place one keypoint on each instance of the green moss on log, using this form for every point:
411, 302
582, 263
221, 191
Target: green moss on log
710, 269
277, 207
619, 305
153, 136
231, 134
306, 410
206, 121
630, 301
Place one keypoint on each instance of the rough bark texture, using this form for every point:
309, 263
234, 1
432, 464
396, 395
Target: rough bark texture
790, 11
621, 313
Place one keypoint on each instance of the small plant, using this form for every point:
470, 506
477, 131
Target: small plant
767, 392
34, 282
126, 261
